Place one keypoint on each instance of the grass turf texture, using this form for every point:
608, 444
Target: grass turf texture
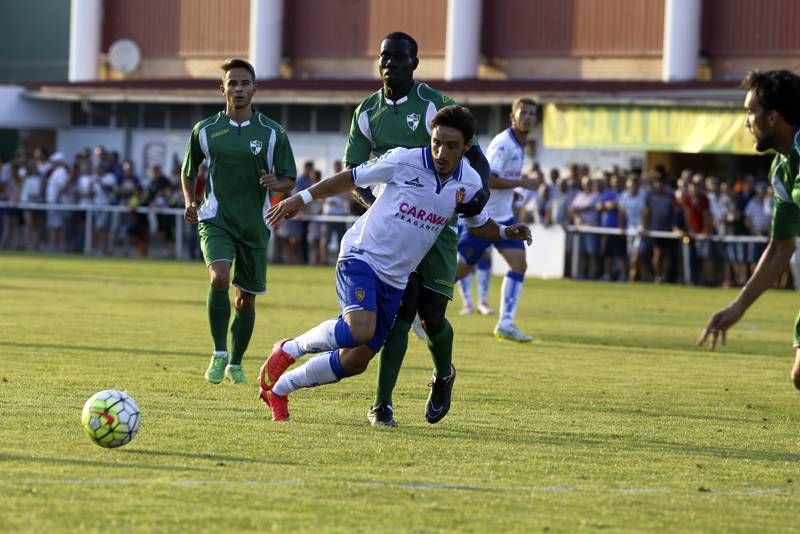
611, 419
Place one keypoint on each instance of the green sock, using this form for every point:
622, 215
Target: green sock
392, 353
241, 330
219, 313
441, 347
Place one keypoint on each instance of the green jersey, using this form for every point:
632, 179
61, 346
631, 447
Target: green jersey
236, 154
380, 124
785, 176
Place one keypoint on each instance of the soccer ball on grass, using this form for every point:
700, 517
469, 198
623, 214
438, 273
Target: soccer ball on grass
110, 418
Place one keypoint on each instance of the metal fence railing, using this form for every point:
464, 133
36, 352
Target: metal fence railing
181, 228
685, 242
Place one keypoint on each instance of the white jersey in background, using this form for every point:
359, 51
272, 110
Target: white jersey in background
402, 224
506, 156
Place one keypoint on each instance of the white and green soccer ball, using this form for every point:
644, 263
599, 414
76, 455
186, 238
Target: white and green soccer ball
111, 418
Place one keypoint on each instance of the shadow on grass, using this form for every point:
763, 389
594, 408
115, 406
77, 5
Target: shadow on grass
218, 458
96, 463
91, 348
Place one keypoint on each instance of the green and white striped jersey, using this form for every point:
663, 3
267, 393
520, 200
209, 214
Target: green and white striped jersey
235, 154
380, 124
785, 176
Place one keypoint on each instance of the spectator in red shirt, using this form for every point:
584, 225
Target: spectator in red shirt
700, 224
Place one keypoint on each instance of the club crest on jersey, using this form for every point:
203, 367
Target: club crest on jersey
360, 294
412, 119
255, 146
460, 194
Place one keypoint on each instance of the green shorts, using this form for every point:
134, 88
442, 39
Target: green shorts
249, 264
438, 267
797, 331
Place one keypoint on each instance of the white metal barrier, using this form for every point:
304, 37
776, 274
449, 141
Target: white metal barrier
180, 226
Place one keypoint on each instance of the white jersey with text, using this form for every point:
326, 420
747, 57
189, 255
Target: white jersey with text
506, 156
402, 224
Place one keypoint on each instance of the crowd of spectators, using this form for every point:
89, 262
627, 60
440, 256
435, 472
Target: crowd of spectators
697, 211
94, 178
693, 209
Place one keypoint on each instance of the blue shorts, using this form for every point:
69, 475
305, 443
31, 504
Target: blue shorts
359, 288
471, 248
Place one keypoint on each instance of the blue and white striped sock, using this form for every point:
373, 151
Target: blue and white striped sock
512, 289
324, 368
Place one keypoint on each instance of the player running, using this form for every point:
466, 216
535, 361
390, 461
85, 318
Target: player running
772, 115
506, 154
423, 189
399, 115
246, 153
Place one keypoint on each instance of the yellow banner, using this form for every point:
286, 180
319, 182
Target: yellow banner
691, 130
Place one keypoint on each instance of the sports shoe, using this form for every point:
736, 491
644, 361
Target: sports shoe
511, 333
275, 366
439, 398
278, 404
466, 310
381, 415
216, 369
235, 375
484, 308
419, 331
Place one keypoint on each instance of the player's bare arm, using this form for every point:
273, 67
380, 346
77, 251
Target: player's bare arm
491, 231
190, 211
276, 184
770, 266
495, 182
331, 186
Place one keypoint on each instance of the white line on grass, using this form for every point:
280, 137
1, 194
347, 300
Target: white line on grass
192, 483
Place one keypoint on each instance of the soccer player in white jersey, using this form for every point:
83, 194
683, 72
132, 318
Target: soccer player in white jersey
506, 154
423, 187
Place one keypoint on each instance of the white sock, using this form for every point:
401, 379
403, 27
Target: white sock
320, 338
221, 353
316, 371
465, 289
511, 290
484, 277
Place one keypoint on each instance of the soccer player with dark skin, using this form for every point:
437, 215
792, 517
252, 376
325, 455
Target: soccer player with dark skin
237, 145
430, 288
772, 115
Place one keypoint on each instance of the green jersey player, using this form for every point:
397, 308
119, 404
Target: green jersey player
399, 115
247, 154
772, 115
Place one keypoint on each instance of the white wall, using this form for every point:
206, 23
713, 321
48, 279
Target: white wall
17, 111
545, 257
161, 147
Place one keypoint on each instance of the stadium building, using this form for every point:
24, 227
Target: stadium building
623, 82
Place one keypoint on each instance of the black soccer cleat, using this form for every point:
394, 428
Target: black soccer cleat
381, 415
439, 398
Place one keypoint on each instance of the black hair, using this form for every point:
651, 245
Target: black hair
457, 117
400, 36
777, 90
238, 64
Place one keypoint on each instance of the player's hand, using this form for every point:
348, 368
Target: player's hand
190, 213
267, 181
719, 324
519, 232
285, 209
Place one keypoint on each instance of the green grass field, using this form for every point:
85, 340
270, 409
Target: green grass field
610, 420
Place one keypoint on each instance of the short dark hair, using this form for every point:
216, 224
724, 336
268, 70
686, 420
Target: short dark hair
777, 90
457, 117
522, 101
401, 36
236, 63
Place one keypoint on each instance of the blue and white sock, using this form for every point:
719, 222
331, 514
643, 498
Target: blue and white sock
465, 289
321, 369
328, 335
511, 290
483, 274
